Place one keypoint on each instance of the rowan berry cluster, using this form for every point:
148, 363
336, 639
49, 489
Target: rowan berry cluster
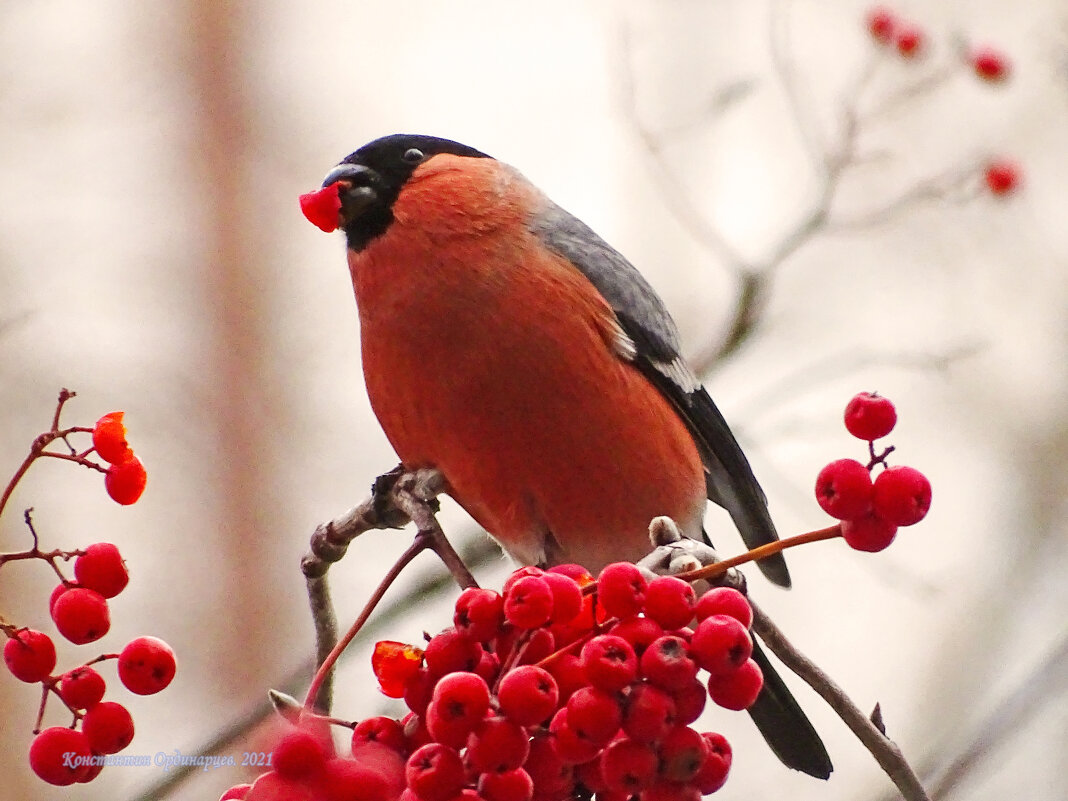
79, 609
908, 39
560, 685
871, 511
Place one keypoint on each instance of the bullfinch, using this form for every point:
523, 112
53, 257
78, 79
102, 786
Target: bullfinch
510, 347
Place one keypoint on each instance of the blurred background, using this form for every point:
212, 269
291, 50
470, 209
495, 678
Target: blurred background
153, 258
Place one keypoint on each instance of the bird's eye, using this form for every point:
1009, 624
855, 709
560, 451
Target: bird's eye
413, 155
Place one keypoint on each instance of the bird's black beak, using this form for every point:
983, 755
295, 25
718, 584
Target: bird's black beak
357, 190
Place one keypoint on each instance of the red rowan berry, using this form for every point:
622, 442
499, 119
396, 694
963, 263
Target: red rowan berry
466, 696
125, 481
272, 787
628, 766
595, 714
108, 727
528, 603
990, 65
588, 776
383, 761
664, 790
724, 601
299, 755
82, 687
640, 632
146, 665
394, 664
844, 489
435, 772
479, 613
869, 532
528, 695
488, 667
738, 689
418, 691
30, 655
498, 745
609, 662
902, 495
648, 713
451, 651
511, 785
58, 591
881, 24
621, 589
869, 416
81, 615
682, 753
570, 745
236, 793
721, 644
689, 701
667, 663
522, 572
713, 773
569, 675
382, 729
49, 755
322, 208
567, 597
109, 438
669, 601
550, 775
1002, 177
349, 780
101, 568
910, 41
539, 644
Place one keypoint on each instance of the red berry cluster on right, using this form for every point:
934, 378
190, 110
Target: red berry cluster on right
889, 30
872, 511
551, 692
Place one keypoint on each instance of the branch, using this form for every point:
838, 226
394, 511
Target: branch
885, 750
397, 497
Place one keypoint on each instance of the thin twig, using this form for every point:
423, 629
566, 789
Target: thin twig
885, 751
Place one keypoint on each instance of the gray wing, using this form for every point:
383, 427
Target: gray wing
656, 352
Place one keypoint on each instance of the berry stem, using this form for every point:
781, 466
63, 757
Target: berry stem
719, 568
419, 544
881, 458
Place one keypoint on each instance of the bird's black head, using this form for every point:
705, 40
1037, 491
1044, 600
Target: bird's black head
373, 176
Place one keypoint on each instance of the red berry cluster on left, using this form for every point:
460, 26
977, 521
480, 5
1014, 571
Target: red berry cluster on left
559, 686
871, 511
79, 608
65, 755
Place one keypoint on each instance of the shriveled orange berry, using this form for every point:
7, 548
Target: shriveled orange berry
394, 663
109, 438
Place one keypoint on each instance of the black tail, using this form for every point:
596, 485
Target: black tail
785, 726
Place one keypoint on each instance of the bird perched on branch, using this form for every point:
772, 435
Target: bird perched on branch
510, 347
